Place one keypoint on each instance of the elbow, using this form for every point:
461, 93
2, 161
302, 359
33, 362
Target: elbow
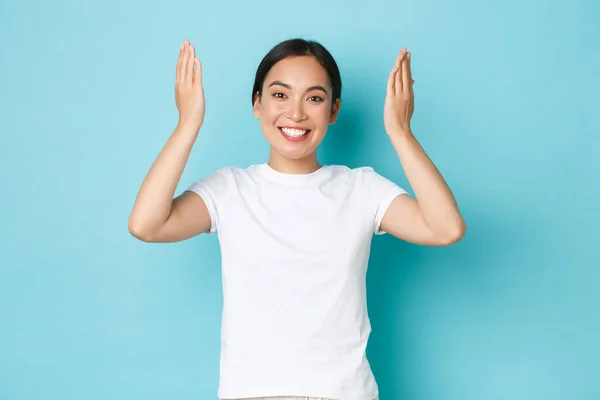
138, 231
454, 235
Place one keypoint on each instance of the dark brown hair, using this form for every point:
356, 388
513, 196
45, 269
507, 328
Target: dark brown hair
299, 47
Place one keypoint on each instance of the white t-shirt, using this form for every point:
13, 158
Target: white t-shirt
294, 253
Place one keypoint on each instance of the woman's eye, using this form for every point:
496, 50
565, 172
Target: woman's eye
278, 95
315, 98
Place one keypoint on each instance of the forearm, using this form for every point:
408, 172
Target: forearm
436, 201
153, 203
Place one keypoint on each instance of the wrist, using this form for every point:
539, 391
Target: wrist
189, 126
400, 134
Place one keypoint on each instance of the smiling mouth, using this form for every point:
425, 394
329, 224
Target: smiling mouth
294, 134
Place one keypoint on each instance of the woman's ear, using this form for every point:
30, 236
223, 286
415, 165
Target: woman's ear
335, 109
256, 106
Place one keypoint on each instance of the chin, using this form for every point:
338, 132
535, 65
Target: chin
295, 156
293, 150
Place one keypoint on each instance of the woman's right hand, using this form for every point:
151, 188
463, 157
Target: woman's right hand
189, 94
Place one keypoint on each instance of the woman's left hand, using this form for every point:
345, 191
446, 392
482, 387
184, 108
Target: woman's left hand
400, 99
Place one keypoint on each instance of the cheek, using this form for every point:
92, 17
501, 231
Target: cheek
272, 109
321, 113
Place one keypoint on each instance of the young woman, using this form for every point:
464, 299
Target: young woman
295, 235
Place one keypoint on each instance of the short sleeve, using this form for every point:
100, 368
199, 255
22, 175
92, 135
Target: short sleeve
212, 189
380, 194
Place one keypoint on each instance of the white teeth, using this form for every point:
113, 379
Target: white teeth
294, 132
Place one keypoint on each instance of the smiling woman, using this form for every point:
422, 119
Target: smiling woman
295, 321
296, 95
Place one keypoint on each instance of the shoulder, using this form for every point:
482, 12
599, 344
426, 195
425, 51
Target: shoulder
369, 181
363, 174
218, 180
362, 179
227, 172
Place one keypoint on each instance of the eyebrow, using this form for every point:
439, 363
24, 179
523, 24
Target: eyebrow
285, 85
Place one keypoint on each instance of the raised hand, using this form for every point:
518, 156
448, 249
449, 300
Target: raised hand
189, 94
399, 101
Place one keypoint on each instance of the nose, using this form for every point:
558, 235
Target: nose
297, 113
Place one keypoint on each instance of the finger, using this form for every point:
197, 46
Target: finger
391, 85
392, 79
189, 68
178, 63
399, 83
405, 75
410, 77
184, 58
398, 59
197, 72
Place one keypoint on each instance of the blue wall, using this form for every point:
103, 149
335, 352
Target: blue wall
506, 105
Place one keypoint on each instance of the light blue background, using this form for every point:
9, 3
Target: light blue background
506, 105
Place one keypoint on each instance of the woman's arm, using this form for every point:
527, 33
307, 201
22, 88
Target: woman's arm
433, 218
156, 216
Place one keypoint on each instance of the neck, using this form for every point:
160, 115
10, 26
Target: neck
305, 165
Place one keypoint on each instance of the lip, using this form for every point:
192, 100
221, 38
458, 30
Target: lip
295, 139
294, 127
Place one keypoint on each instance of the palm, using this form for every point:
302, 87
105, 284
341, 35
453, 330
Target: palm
189, 93
399, 101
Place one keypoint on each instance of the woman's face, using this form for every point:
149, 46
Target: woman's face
296, 107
